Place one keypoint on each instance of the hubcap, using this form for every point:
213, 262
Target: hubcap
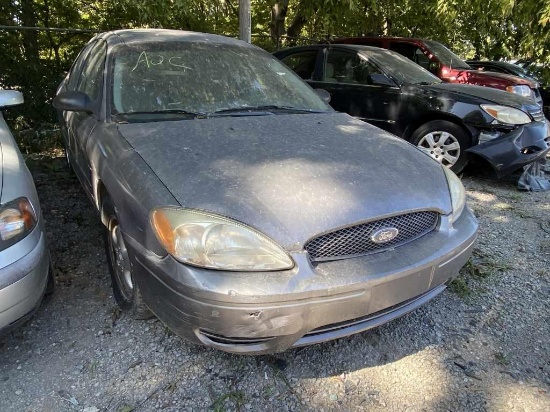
120, 260
442, 146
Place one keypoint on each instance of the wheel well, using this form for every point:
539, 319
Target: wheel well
431, 117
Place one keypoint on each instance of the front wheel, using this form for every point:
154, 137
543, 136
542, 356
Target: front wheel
125, 289
443, 141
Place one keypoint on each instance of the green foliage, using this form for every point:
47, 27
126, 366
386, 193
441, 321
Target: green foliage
36, 61
236, 398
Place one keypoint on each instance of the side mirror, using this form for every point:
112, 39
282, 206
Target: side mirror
73, 102
324, 95
10, 98
434, 67
381, 80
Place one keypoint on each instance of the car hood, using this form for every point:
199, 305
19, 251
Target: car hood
487, 75
487, 94
290, 176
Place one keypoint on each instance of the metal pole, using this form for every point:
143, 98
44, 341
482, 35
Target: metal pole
245, 21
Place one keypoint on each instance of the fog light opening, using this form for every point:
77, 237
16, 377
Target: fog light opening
530, 150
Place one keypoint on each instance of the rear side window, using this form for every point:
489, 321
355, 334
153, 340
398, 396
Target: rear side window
303, 64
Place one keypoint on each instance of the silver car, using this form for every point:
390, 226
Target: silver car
239, 208
25, 273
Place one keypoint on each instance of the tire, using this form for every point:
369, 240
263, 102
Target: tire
125, 289
444, 141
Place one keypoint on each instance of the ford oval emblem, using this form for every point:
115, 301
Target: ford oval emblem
384, 234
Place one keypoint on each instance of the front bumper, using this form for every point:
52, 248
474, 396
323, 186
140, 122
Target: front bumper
269, 312
22, 286
518, 148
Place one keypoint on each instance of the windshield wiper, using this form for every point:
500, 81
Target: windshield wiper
162, 111
264, 108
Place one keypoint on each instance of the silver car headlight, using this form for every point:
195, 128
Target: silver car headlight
17, 220
506, 114
211, 241
458, 194
522, 90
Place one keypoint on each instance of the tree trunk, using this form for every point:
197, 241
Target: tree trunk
278, 17
30, 37
297, 25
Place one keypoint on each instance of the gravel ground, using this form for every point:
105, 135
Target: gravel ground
481, 346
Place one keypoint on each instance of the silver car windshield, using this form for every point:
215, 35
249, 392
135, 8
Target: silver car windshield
202, 78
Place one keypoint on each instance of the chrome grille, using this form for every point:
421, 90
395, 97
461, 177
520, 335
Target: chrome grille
538, 115
356, 240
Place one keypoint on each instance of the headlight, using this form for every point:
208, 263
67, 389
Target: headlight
506, 114
522, 90
17, 220
211, 241
458, 195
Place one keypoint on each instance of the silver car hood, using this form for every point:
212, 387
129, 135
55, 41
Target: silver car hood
290, 176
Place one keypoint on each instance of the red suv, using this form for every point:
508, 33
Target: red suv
446, 65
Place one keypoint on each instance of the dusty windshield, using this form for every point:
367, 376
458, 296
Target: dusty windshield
204, 78
447, 57
403, 69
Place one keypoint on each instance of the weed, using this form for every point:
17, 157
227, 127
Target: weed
477, 267
544, 245
504, 206
501, 358
276, 366
236, 397
39, 139
269, 390
480, 267
171, 386
91, 367
460, 287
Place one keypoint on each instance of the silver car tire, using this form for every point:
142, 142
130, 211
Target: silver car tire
125, 290
445, 142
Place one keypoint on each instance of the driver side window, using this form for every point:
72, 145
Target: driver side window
74, 73
92, 73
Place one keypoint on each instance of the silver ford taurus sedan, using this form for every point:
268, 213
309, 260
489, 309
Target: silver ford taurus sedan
239, 208
25, 273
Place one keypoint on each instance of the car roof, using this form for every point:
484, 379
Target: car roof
137, 36
356, 47
409, 39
